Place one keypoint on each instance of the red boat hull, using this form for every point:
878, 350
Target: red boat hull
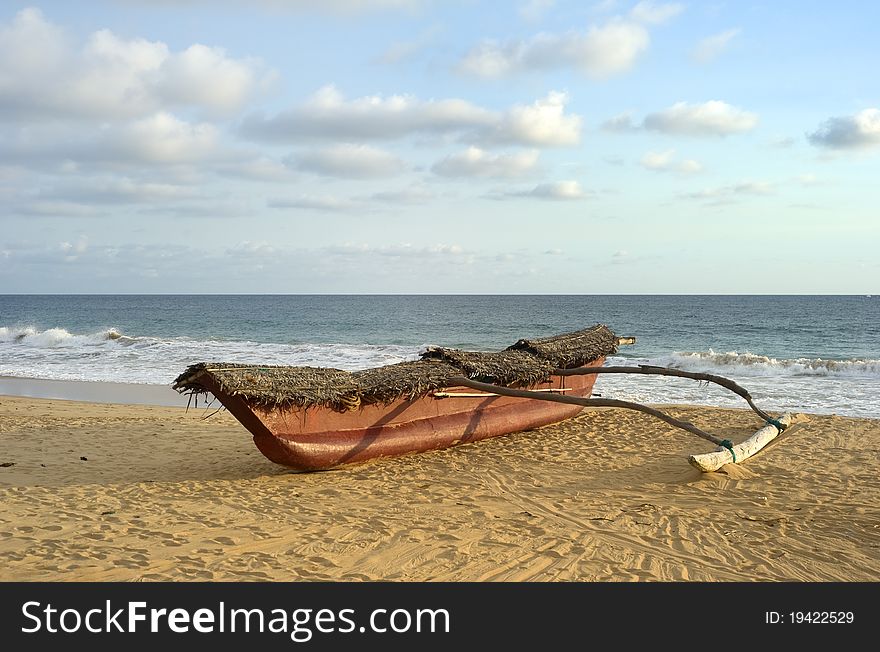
318, 438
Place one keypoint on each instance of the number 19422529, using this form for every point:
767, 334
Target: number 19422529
811, 617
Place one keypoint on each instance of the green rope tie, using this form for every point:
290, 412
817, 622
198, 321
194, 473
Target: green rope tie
779, 425
729, 446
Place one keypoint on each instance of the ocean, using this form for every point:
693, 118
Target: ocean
816, 354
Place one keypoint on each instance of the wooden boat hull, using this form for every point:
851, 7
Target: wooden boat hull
318, 438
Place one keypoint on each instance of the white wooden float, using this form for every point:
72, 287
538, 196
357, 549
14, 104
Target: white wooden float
708, 462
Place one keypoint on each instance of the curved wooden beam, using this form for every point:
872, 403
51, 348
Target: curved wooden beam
585, 402
663, 371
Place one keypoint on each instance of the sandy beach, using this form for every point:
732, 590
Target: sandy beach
105, 492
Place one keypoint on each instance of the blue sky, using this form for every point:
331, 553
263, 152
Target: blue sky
411, 146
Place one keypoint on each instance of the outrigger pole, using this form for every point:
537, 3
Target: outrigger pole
726, 452
663, 371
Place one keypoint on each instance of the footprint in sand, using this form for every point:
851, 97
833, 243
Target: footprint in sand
94, 536
446, 537
322, 561
125, 563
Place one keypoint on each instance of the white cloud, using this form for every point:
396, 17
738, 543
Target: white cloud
71, 251
348, 161
328, 115
44, 75
622, 123
554, 191
402, 251
475, 162
55, 208
652, 12
859, 131
31, 51
731, 193
160, 138
116, 190
657, 160
328, 203
689, 166
204, 76
782, 142
599, 52
558, 190
666, 162
543, 123
250, 248
712, 46
713, 118
258, 168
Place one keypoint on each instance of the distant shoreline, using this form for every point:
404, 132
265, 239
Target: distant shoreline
91, 391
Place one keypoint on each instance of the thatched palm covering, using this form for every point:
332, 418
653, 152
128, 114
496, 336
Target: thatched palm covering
526, 363
273, 385
402, 380
515, 368
571, 349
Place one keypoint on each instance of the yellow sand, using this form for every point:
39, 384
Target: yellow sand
608, 496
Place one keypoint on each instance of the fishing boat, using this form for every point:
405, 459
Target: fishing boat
311, 418
315, 418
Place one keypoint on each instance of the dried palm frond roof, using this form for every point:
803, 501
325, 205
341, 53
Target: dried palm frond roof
571, 349
526, 363
402, 380
274, 384
514, 368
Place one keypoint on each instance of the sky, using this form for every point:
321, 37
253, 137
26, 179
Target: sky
419, 146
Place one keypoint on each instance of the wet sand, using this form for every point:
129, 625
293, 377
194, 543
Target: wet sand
101, 492
78, 390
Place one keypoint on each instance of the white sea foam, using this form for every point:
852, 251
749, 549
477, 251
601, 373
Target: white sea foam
109, 355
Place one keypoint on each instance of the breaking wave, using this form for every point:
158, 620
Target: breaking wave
751, 364
60, 337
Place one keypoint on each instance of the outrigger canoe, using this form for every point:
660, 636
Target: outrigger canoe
311, 418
